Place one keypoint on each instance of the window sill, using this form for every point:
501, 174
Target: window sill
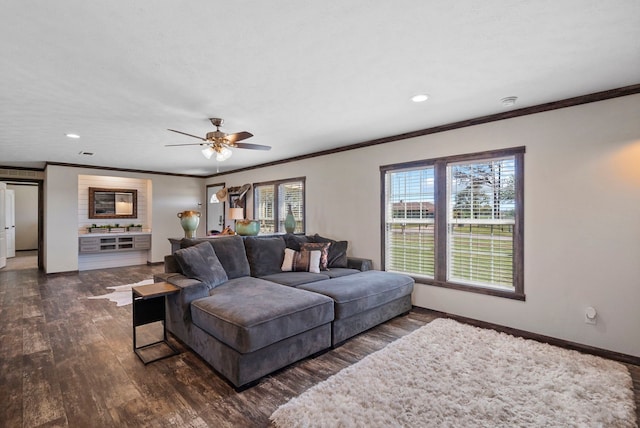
472, 289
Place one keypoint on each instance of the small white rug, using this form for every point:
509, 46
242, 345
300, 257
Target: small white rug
448, 374
122, 293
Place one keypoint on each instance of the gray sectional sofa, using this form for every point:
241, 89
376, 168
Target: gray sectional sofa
247, 318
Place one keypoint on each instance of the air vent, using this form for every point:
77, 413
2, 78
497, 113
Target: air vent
509, 101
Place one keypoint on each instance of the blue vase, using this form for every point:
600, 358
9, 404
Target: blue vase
289, 222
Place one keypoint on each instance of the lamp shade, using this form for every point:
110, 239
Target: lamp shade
236, 213
223, 154
207, 152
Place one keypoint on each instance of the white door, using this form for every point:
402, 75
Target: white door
3, 231
10, 222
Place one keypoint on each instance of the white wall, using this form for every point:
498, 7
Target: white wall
114, 259
107, 182
168, 196
26, 215
582, 216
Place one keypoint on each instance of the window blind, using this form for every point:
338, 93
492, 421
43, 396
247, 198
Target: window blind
272, 201
264, 207
291, 196
480, 222
409, 223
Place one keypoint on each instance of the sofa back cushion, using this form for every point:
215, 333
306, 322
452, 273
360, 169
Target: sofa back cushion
200, 262
230, 251
265, 255
295, 241
337, 257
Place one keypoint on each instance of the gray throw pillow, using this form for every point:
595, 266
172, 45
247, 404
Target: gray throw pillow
230, 251
295, 241
265, 255
200, 262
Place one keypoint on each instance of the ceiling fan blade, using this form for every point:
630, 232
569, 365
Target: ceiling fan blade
187, 144
239, 136
188, 135
252, 146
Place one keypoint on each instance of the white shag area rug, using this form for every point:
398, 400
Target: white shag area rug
448, 374
122, 293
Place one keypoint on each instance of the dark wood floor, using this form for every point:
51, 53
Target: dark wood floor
67, 361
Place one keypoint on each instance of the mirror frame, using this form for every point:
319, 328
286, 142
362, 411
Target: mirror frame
92, 203
224, 207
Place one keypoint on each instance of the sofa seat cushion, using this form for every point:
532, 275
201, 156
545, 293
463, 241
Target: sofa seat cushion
293, 279
357, 293
338, 272
249, 313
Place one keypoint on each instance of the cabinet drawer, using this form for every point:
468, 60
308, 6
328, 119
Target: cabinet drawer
142, 242
87, 248
89, 241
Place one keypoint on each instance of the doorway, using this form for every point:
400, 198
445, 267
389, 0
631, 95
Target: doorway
215, 209
27, 235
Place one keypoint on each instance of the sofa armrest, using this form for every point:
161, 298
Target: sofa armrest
170, 264
360, 264
190, 290
163, 277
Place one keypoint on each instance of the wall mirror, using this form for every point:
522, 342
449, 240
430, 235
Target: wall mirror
215, 209
113, 203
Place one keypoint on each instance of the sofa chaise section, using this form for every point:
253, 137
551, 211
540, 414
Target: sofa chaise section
364, 300
248, 328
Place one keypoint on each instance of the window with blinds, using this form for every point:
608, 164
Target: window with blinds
291, 199
457, 221
480, 221
263, 197
409, 221
272, 201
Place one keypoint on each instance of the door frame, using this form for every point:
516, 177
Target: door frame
40, 183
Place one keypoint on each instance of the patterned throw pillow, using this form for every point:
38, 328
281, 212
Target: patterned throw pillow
337, 252
301, 261
323, 247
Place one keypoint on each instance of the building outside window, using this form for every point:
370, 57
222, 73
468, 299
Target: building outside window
457, 221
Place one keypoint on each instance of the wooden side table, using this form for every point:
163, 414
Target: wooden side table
149, 306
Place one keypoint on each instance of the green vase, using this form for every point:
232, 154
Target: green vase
289, 222
247, 227
189, 221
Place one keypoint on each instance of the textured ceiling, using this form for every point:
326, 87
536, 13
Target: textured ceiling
301, 76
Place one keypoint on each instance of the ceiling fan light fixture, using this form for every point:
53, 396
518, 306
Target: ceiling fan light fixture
207, 152
223, 154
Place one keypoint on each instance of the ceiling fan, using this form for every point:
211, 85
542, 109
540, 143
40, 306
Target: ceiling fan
219, 142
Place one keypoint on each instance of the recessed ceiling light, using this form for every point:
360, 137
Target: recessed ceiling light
508, 101
73, 135
419, 98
